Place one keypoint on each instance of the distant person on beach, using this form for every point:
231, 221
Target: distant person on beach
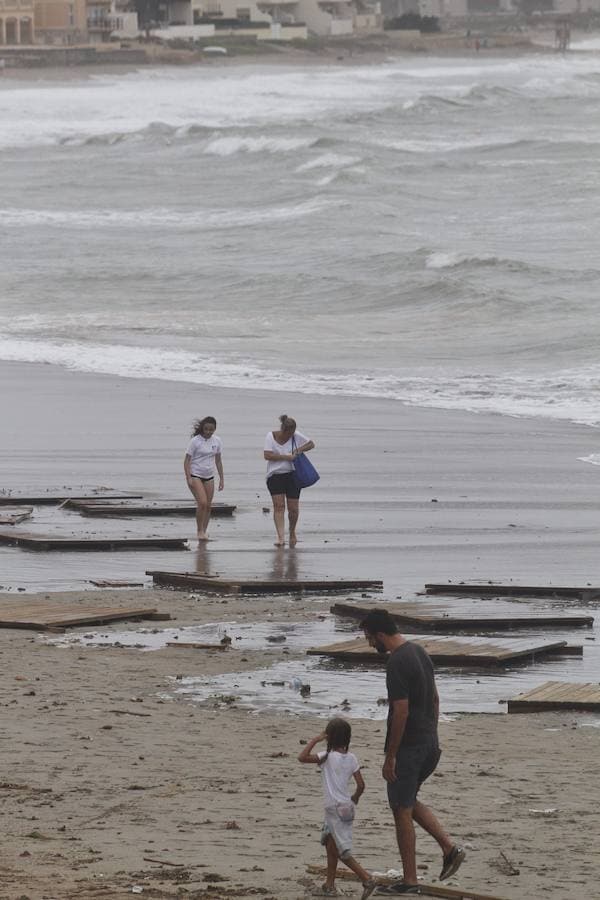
412, 749
338, 767
281, 448
202, 456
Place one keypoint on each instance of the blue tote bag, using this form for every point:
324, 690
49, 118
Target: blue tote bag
305, 473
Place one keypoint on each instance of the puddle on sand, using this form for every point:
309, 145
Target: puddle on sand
331, 682
277, 689
277, 636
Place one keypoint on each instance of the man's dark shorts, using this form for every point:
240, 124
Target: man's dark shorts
413, 766
283, 483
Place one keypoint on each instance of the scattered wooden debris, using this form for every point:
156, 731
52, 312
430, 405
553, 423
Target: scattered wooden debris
50, 616
428, 890
102, 509
194, 581
11, 499
13, 515
45, 542
194, 646
557, 695
460, 653
514, 590
413, 618
108, 583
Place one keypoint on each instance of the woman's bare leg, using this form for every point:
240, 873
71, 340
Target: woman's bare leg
202, 503
293, 513
209, 489
279, 518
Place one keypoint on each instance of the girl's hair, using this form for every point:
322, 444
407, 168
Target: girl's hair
287, 423
200, 423
338, 733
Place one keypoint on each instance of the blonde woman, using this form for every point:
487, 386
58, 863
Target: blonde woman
281, 448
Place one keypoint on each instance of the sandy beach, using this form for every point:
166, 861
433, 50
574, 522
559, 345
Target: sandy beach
114, 778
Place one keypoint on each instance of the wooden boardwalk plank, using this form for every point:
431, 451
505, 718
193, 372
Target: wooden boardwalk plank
556, 695
514, 590
40, 617
195, 581
56, 498
443, 651
413, 619
427, 890
102, 509
43, 542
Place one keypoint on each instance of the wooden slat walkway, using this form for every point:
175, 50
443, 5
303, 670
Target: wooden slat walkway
556, 695
458, 653
42, 542
50, 616
413, 618
194, 581
102, 509
427, 890
514, 590
56, 498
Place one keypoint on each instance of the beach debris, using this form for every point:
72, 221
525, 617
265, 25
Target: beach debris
548, 813
163, 862
504, 865
137, 889
230, 826
276, 638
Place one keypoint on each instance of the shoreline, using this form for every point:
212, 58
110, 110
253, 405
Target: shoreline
376, 49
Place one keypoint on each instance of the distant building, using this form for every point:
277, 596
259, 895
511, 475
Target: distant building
110, 18
280, 19
60, 21
16, 22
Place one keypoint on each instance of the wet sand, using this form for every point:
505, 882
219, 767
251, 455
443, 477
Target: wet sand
99, 792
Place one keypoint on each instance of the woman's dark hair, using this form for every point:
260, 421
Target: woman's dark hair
200, 423
338, 733
287, 423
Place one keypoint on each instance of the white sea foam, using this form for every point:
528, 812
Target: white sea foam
228, 146
114, 109
593, 458
565, 396
328, 161
203, 219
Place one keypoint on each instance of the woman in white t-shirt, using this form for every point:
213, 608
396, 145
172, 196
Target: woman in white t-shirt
281, 448
202, 456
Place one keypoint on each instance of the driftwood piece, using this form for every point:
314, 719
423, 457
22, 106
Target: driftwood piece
14, 515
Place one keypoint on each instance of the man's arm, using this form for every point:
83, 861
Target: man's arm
398, 724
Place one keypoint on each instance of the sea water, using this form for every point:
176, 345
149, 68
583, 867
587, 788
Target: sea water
423, 229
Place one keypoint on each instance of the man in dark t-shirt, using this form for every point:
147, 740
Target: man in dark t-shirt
412, 750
